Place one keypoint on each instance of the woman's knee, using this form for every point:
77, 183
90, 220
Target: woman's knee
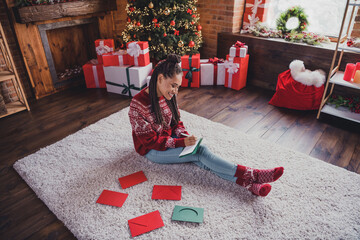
203, 149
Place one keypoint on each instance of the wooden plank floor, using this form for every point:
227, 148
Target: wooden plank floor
24, 216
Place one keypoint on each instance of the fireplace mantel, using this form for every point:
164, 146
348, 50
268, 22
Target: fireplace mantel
32, 48
60, 10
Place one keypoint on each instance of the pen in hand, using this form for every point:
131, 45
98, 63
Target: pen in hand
186, 135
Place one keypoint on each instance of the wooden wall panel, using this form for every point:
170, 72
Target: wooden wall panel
35, 59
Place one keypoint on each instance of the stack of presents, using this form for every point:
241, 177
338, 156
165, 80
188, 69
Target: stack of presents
128, 71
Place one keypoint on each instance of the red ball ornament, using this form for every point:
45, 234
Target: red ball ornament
165, 34
134, 35
138, 23
199, 27
172, 23
154, 20
194, 16
192, 23
191, 44
128, 19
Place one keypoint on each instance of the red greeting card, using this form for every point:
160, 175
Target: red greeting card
132, 179
166, 192
112, 198
145, 223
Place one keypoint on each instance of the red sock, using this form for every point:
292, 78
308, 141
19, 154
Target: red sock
260, 189
252, 175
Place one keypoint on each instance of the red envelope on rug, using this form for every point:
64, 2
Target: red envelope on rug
166, 192
145, 223
112, 198
132, 179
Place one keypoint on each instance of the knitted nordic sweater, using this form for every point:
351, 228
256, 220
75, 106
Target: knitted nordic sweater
146, 133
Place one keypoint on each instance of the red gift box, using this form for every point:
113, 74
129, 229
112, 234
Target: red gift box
103, 46
94, 75
118, 58
190, 65
236, 79
138, 53
255, 10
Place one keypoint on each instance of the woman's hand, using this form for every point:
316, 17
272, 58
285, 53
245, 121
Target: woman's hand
189, 141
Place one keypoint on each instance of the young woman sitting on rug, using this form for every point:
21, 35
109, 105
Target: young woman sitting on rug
158, 132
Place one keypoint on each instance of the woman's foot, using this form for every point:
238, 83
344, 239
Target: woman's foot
260, 189
251, 175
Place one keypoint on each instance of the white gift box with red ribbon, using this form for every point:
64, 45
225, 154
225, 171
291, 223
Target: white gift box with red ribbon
239, 49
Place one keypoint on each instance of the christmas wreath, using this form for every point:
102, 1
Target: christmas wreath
297, 12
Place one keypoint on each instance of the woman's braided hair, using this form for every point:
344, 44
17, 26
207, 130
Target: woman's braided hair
168, 68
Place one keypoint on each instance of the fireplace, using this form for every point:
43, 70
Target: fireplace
57, 39
68, 45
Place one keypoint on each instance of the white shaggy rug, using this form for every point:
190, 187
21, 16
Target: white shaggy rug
312, 200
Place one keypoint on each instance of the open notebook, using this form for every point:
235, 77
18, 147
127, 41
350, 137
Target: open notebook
190, 149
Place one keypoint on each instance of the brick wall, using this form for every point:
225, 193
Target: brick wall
215, 16
6, 88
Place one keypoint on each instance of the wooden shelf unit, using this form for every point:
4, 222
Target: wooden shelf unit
335, 76
11, 75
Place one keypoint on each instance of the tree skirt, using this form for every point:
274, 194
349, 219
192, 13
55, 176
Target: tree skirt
313, 199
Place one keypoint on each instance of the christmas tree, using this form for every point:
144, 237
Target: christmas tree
170, 26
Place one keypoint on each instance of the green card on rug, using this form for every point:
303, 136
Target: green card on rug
188, 214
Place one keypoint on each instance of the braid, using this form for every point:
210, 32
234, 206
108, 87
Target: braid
168, 68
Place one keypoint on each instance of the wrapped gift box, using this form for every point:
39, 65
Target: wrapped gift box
212, 73
138, 53
126, 80
255, 10
94, 74
190, 65
118, 58
103, 46
239, 49
236, 78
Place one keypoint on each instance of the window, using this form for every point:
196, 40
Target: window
324, 16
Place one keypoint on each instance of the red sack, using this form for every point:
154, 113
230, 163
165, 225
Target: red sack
295, 95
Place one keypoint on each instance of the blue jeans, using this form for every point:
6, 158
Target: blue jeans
203, 158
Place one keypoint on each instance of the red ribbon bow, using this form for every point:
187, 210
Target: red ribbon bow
239, 44
216, 60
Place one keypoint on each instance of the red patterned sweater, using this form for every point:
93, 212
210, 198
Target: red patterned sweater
146, 133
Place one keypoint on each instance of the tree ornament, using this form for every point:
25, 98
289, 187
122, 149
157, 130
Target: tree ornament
194, 9
189, 11
199, 27
191, 44
194, 16
138, 23
186, 26
172, 23
151, 5
174, 8
165, 35
155, 20
176, 32
180, 43
167, 11
134, 35
128, 19
192, 23
131, 9
297, 12
149, 38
